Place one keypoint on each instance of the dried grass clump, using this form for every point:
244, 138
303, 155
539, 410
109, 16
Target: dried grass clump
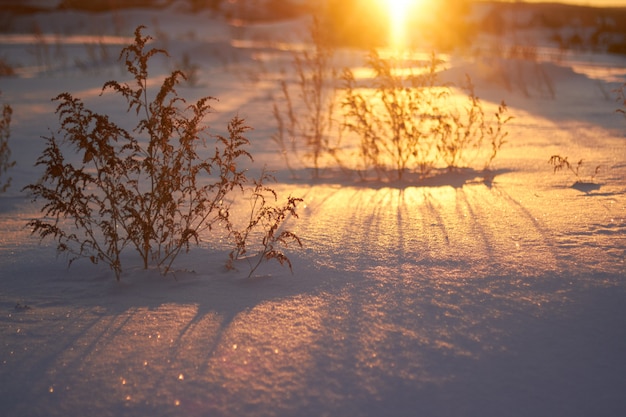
402, 120
152, 189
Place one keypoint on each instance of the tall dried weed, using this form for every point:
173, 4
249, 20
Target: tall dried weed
308, 123
150, 189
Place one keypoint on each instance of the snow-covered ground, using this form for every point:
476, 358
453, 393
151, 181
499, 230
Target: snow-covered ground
451, 297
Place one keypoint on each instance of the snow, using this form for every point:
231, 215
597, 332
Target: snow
452, 297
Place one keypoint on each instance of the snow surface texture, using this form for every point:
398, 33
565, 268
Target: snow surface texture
456, 297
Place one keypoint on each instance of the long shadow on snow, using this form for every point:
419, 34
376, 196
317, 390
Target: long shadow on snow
400, 319
471, 350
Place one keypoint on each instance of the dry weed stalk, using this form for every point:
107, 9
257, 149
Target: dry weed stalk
561, 163
311, 123
467, 130
267, 219
149, 189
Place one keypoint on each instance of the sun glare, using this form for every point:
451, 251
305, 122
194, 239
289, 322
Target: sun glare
399, 11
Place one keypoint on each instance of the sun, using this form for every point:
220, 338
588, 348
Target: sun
398, 8
399, 12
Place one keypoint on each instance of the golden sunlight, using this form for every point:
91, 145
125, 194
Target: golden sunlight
399, 12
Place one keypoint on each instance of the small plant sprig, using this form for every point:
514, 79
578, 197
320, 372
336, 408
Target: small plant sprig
150, 188
468, 130
311, 124
269, 219
496, 133
462, 131
5, 151
561, 163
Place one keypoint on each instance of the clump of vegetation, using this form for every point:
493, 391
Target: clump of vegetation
561, 163
5, 152
469, 130
151, 189
405, 120
268, 218
409, 121
313, 121
395, 120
